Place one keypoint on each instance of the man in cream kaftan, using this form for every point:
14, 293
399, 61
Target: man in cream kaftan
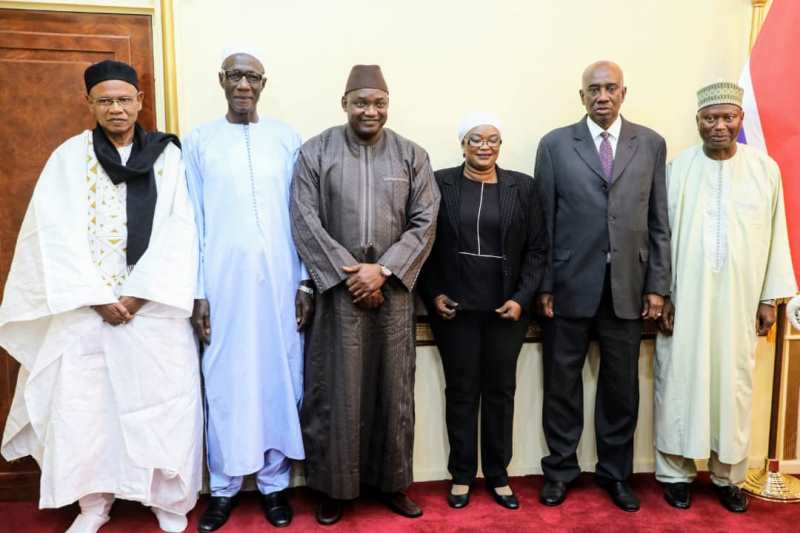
106, 410
730, 261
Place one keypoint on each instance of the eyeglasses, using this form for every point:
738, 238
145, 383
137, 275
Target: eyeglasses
235, 76
476, 141
124, 102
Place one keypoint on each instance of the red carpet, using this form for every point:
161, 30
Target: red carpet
587, 508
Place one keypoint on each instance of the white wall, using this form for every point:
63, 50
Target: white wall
443, 58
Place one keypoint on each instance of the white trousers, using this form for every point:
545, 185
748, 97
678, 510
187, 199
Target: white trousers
678, 469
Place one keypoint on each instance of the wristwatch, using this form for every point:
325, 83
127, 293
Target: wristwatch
385, 271
306, 289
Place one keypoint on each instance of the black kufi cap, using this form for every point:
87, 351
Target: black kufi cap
110, 70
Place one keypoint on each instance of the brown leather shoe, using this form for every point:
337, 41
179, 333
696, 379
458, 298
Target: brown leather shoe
400, 503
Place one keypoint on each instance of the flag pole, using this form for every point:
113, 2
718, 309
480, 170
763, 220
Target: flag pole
768, 483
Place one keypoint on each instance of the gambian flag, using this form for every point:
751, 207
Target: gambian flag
771, 82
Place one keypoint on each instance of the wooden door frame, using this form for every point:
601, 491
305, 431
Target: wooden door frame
165, 99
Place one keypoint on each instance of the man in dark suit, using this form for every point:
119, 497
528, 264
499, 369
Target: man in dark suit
604, 197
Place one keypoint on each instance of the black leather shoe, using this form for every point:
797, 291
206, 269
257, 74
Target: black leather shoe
732, 498
216, 514
400, 503
276, 508
678, 495
622, 494
457, 501
329, 511
509, 502
553, 492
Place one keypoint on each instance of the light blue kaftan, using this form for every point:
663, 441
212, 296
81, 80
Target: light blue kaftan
239, 177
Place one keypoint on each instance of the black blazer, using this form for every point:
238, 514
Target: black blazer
523, 234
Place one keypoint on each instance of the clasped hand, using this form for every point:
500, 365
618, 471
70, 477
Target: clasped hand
364, 282
120, 312
446, 308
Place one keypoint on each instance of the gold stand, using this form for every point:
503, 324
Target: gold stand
769, 484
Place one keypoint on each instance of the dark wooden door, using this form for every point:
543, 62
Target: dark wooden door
42, 58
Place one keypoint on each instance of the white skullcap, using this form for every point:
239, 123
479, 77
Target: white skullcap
473, 120
250, 50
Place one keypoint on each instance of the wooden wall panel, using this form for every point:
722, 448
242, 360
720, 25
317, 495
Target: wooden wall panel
791, 431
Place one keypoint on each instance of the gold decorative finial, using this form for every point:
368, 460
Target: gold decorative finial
757, 19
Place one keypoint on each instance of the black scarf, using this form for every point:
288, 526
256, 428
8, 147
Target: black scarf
138, 174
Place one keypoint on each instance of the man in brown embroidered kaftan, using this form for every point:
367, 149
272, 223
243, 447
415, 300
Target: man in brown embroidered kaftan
364, 205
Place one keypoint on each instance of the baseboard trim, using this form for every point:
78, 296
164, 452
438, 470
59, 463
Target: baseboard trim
788, 466
642, 466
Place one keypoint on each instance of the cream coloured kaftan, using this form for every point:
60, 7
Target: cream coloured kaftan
729, 250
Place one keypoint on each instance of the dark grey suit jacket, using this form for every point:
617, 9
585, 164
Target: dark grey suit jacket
588, 215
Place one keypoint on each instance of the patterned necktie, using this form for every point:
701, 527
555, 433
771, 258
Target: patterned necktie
606, 155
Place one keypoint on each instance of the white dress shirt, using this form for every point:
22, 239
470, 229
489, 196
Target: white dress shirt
613, 136
613, 133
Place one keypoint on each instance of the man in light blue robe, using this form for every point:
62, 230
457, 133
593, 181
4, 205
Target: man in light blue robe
250, 305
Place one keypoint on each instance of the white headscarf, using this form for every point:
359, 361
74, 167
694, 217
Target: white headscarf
473, 120
250, 50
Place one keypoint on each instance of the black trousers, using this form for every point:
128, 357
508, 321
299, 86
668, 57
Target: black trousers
479, 354
566, 341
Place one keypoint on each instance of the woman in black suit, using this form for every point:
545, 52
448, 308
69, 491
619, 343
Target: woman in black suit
479, 285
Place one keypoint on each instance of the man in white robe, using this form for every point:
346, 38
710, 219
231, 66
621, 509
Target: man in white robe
96, 311
250, 302
730, 261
